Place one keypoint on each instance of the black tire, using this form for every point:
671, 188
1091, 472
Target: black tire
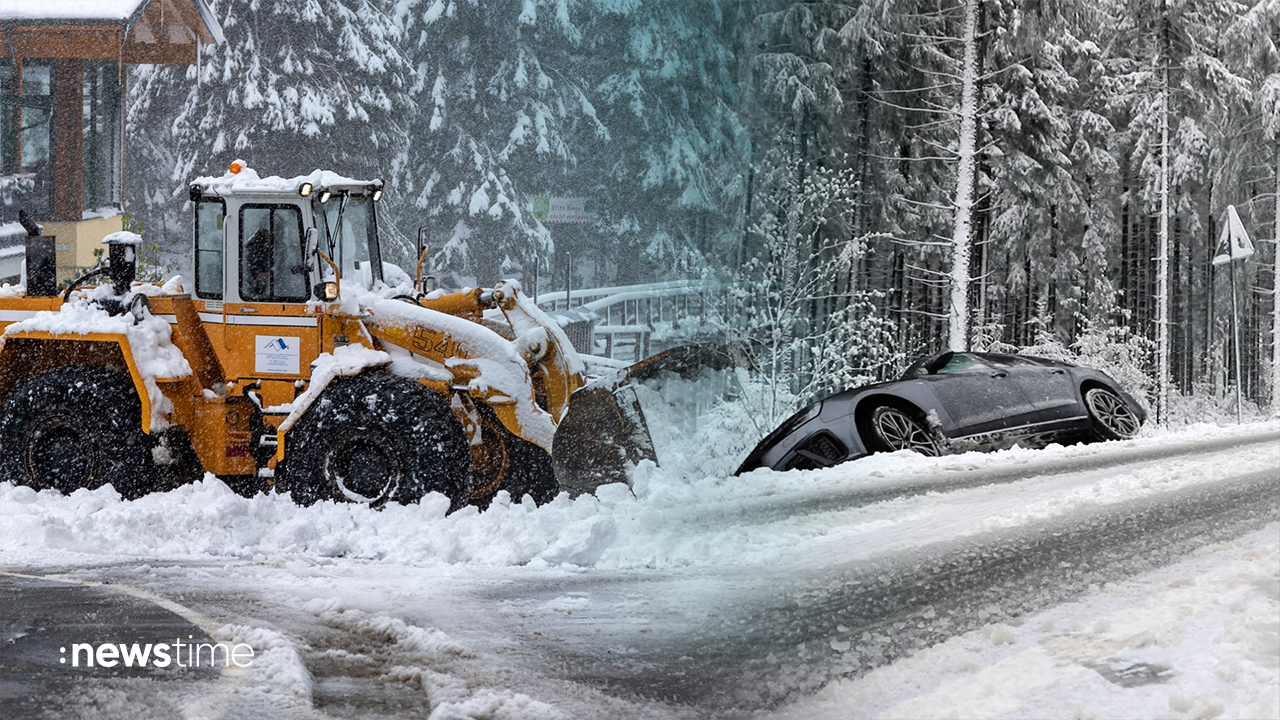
506, 462
176, 462
531, 472
896, 429
1112, 419
375, 438
76, 427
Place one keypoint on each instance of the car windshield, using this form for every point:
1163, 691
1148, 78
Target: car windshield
354, 246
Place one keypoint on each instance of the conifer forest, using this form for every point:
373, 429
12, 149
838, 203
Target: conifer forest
873, 179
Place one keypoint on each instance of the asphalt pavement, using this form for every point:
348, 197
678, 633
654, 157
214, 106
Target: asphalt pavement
41, 619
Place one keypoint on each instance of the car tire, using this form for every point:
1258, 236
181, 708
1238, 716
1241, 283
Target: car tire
76, 427
895, 429
376, 438
1111, 417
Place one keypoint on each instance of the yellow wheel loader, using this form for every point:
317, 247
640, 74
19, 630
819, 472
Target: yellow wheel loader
297, 358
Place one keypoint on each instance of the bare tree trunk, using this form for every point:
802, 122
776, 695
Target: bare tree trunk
1275, 296
1162, 254
965, 176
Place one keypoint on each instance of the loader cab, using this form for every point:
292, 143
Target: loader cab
259, 265
251, 234
250, 250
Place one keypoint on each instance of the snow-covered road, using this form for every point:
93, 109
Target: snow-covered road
1138, 578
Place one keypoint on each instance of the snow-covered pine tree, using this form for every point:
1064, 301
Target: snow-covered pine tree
672, 78
1050, 251
1171, 80
804, 358
500, 94
794, 109
1251, 48
294, 87
623, 103
904, 70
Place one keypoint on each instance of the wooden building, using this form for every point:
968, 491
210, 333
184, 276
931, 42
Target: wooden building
63, 73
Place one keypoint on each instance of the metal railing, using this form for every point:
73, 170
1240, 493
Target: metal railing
632, 322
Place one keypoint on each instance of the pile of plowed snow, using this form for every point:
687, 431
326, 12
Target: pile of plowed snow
666, 519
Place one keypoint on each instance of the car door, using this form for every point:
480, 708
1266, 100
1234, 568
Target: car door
979, 397
1047, 385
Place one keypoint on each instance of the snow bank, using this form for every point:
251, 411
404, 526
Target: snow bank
665, 520
208, 519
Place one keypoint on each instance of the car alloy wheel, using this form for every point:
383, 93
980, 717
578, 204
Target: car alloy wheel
1111, 416
899, 431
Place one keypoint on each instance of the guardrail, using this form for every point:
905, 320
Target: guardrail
632, 322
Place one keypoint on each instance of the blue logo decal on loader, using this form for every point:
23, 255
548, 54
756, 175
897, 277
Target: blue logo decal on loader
277, 355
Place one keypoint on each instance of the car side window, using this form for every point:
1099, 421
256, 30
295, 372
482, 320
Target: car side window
960, 363
1007, 361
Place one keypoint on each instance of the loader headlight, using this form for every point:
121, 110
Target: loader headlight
377, 195
324, 196
327, 291
304, 189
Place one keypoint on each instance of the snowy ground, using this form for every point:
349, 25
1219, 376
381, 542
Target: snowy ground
1136, 579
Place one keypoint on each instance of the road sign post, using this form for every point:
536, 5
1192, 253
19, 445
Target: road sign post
1234, 244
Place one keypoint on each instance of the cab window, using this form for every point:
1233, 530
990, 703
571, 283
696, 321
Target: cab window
354, 245
271, 267
210, 214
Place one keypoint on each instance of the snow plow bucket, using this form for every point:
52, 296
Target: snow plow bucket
605, 435
601, 439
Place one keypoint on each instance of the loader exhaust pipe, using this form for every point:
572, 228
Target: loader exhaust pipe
41, 257
122, 259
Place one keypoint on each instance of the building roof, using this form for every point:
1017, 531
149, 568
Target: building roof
145, 23
88, 11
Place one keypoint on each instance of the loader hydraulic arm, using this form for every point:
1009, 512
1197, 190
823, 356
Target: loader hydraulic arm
539, 340
545, 348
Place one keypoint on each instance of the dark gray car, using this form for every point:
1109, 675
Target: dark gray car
953, 402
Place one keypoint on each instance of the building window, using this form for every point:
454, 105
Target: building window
102, 136
26, 132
